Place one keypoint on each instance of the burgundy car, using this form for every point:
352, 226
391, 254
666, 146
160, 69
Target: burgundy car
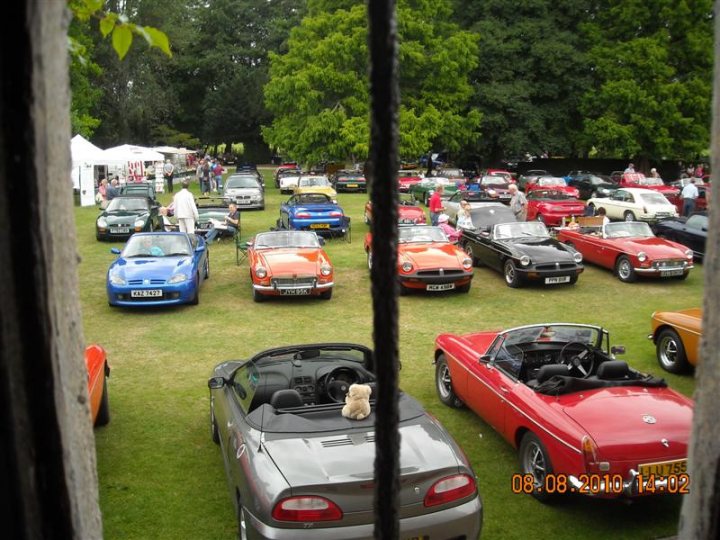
551, 205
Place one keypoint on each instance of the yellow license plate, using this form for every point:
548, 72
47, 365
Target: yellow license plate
320, 226
352, 185
663, 468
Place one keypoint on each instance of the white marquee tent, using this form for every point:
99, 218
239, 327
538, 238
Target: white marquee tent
85, 155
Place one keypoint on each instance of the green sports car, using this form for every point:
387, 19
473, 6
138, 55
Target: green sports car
423, 190
126, 215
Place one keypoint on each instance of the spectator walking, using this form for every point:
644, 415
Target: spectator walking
435, 204
169, 174
689, 194
205, 179
218, 171
518, 202
186, 211
112, 190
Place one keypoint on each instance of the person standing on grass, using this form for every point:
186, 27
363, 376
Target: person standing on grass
218, 171
435, 204
169, 174
186, 211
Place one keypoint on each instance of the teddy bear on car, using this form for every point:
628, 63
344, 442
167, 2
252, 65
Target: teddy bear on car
357, 402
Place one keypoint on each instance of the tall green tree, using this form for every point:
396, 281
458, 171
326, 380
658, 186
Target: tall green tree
318, 89
84, 73
652, 65
530, 74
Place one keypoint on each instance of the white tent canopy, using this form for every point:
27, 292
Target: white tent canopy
83, 151
128, 152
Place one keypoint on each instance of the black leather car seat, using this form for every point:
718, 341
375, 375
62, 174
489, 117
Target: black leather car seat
286, 399
613, 370
550, 370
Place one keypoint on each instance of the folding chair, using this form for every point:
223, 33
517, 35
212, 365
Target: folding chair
240, 245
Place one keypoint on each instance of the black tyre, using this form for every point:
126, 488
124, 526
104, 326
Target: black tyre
206, 273
573, 279
683, 276
327, 295
629, 216
196, 299
534, 460
443, 384
512, 277
404, 291
624, 270
464, 288
103, 415
257, 296
214, 433
671, 352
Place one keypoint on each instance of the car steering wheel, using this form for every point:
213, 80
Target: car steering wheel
582, 360
338, 381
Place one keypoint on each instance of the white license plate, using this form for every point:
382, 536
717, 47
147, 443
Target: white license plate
440, 286
146, 293
670, 273
295, 292
557, 279
120, 230
243, 201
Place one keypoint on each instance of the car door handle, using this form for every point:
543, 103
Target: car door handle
504, 389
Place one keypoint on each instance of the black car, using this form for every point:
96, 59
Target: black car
593, 186
688, 231
126, 215
349, 181
521, 250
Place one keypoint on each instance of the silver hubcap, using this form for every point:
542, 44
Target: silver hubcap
668, 351
444, 384
624, 269
534, 463
509, 273
629, 217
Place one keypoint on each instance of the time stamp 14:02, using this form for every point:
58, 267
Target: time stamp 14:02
601, 484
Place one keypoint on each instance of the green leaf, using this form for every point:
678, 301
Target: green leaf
107, 24
156, 38
121, 40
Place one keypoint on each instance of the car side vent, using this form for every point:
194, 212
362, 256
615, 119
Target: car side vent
303, 380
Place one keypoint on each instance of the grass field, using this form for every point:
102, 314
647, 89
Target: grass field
162, 477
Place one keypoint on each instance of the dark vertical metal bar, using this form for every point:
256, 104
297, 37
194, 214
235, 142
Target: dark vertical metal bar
384, 99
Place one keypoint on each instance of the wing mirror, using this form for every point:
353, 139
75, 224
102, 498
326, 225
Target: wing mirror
215, 383
617, 349
321, 240
486, 358
115, 251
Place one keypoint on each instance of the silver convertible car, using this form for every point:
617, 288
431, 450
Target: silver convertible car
298, 469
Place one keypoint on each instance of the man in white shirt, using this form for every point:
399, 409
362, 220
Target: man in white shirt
186, 211
630, 168
688, 194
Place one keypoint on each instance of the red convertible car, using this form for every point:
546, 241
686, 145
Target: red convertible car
582, 421
552, 205
289, 263
555, 182
630, 249
408, 214
427, 261
407, 178
98, 371
639, 180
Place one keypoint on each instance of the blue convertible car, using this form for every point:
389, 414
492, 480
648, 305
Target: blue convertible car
314, 212
158, 269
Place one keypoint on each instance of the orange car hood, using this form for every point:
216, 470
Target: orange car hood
687, 318
431, 255
293, 260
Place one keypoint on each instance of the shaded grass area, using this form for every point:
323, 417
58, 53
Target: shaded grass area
162, 477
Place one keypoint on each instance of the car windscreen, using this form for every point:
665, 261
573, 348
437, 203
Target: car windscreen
313, 181
287, 239
157, 245
549, 194
563, 333
550, 181
128, 204
650, 181
410, 235
498, 181
241, 182
634, 229
520, 229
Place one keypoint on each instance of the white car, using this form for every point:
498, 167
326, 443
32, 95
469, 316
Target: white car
288, 182
635, 204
